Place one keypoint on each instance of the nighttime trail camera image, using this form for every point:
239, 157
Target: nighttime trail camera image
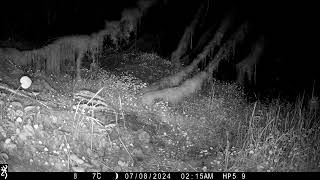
158, 85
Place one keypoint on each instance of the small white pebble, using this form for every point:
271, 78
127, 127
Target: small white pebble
83, 158
78, 169
40, 142
68, 147
65, 149
121, 163
19, 120
251, 152
260, 167
46, 163
164, 133
204, 168
45, 149
36, 126
8, 141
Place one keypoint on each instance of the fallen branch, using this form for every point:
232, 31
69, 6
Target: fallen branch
176, 94
5, 87
29, 95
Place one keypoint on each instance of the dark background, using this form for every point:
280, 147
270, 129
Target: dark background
289, 65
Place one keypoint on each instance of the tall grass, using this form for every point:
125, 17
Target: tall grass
277, 136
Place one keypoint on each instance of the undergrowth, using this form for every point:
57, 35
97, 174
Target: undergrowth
277, 136
105, 127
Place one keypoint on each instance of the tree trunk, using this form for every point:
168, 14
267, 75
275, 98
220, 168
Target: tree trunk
186, 39
227, 50
201, 43
246, 69
176, 79
192, 85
